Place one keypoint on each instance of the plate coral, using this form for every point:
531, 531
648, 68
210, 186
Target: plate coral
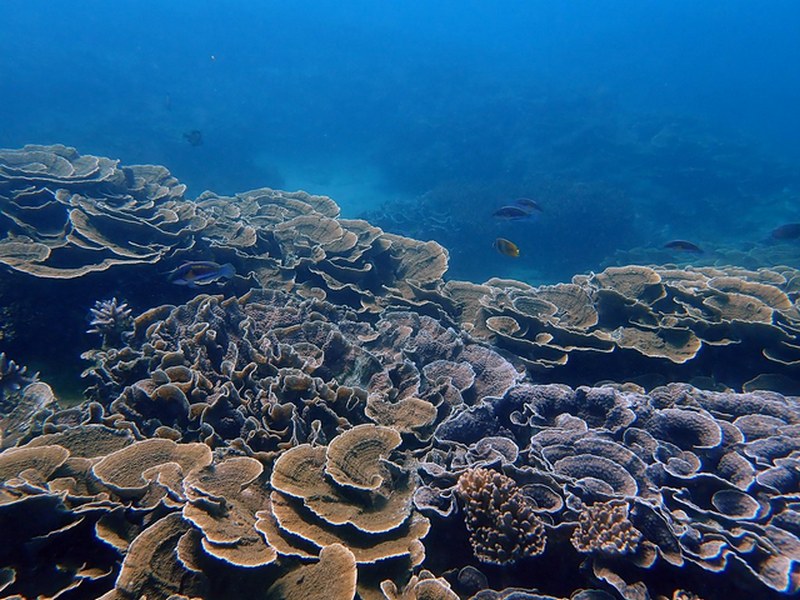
340, 420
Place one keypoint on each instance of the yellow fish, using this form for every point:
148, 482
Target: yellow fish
507, 247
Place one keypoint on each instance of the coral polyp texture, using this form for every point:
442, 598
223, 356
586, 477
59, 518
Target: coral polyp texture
502, 524
606, 528
338, 421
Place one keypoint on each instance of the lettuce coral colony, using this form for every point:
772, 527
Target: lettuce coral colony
340, 421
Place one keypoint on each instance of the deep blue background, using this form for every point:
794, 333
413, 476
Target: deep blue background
441, 111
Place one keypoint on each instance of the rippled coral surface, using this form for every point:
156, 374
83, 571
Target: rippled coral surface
339, 421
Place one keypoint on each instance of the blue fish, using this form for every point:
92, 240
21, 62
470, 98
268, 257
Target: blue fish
197, 273
511, 213
529, 205
523, 208
683, 246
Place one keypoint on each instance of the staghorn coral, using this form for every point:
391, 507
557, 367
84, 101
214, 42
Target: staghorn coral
112, 320
13, 377
502, 525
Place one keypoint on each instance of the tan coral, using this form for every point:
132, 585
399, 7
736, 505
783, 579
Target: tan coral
366, 506
466, 298
292, 531
423, 262
42, 459
353, 459
740, 307
55, 163
768, 293
123, 470
424, 586
89, 441
535, 306
222, 503
502, 524
149, 568
334, 576
678, 345
606, 528
99, 216
575, 306
408, 415
503, 325
299, 472
632, 281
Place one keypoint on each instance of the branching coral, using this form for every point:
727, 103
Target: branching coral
12, 378
112, 320
605, 527
502, 524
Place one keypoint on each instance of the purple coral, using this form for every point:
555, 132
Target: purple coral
112, 320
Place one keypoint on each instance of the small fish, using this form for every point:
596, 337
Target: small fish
194, 137
197, 273
529, 205
507, 247
511, 213
684, 246
790, 231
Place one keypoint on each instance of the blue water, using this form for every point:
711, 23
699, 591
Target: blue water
631, 122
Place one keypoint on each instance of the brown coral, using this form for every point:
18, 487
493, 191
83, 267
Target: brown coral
605, 527
334, 576
280, 387
502, 524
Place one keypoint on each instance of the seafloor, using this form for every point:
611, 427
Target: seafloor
339, 420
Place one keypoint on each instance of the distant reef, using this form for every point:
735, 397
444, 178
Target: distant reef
340, 420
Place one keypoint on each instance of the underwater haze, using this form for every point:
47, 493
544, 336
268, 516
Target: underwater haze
631, 123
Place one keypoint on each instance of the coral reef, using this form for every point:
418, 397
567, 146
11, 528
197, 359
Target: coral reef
679, 478
720, 326
338, 419
715, 326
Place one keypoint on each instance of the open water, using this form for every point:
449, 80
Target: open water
632, 122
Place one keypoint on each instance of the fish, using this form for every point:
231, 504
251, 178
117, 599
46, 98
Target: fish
193, 274
789, 231
521, 209
194, 137
507, 247
511, 213
684, 246
529, 205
